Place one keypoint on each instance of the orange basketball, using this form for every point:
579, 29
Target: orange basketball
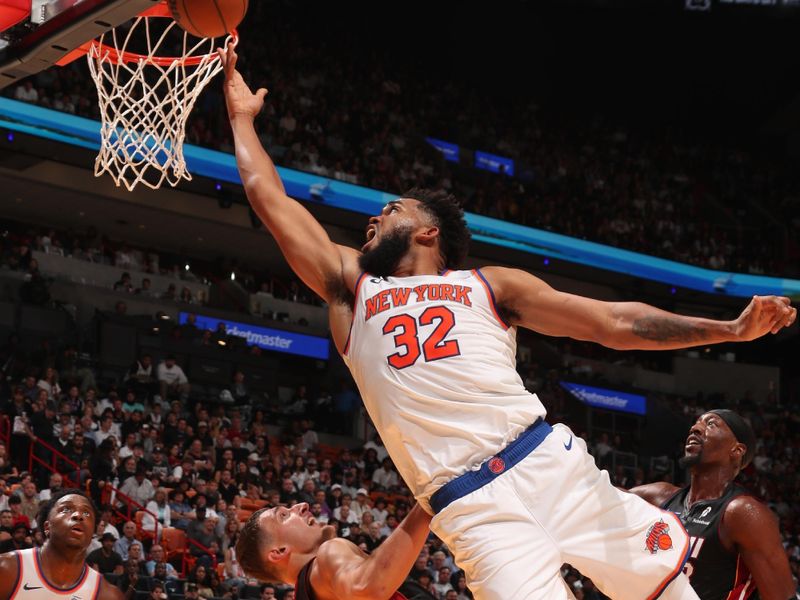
208, 18
665, 542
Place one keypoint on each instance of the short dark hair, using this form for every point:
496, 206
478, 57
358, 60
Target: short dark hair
252, 538
448, 216
44, 511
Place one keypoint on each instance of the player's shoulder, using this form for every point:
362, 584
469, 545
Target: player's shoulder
9, 572
745, 510
510, 280
108, 591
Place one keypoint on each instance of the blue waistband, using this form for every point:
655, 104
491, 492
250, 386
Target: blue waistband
492, 468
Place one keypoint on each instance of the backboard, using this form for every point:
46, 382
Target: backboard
36, 34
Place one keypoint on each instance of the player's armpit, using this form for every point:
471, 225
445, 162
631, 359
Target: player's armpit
753, 529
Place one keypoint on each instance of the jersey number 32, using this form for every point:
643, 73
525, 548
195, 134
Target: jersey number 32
406, 330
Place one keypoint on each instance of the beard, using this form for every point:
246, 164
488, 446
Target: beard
690, 460
383, 258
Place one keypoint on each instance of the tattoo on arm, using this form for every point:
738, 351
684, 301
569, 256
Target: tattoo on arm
664, 329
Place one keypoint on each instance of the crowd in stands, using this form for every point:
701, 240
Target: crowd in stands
338, 111
18, 241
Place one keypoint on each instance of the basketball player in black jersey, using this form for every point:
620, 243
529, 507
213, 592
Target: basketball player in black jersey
288, 545
68, 521
736, 550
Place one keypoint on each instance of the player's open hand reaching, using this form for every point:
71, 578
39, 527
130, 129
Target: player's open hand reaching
241, 101
763, 315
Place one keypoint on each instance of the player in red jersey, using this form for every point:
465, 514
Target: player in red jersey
288, 545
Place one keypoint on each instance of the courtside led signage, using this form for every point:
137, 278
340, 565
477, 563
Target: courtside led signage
608, 399
266, 338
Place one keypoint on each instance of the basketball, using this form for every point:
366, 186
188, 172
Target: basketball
208, 18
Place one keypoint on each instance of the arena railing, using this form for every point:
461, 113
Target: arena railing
110, 493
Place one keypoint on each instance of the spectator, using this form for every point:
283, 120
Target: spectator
124, 284
131, 582
159, 507
20, 539
30, 502
6, 524
139, 488
205, 544
385, 478
123, 545
158, 557
105, 559
181, 514
172, 380
56, 482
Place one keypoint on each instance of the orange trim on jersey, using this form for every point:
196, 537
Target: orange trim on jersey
49, 585
96, 584
490, 296
353, 317
19, 576
679, 567
445, 273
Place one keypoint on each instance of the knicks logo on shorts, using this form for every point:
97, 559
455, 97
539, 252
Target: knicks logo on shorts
658, 538
497, 465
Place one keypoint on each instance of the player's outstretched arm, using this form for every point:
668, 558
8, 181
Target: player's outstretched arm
320, 263
753, 528
530, 302
349, 573
655, 493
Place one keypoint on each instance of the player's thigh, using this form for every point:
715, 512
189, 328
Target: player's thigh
629, 548
503, 550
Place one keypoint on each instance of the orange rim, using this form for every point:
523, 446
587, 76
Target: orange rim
110, 54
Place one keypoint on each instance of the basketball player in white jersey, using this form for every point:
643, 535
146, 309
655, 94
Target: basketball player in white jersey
58, 569
433, 353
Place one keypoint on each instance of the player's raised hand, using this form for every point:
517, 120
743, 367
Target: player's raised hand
763, 315
239, 98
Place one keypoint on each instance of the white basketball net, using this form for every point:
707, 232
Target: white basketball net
145, 101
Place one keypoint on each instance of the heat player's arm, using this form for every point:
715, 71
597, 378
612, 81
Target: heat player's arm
9, 570
353, 575
753, 529
531, 303
655, 493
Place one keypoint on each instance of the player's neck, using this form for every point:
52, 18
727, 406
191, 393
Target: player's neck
708, 484
62, 566
418, 261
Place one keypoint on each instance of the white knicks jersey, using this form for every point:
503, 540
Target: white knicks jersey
33, 585
435, 365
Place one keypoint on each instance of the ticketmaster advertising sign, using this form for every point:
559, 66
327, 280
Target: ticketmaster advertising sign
266, 338
608, 399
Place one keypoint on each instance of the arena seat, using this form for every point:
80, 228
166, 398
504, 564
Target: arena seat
174, 541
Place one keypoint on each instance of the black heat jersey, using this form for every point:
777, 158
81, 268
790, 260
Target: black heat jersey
715, 573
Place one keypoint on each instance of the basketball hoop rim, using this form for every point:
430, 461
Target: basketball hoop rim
109, 54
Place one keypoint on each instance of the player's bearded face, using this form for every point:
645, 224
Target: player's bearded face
383, 258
